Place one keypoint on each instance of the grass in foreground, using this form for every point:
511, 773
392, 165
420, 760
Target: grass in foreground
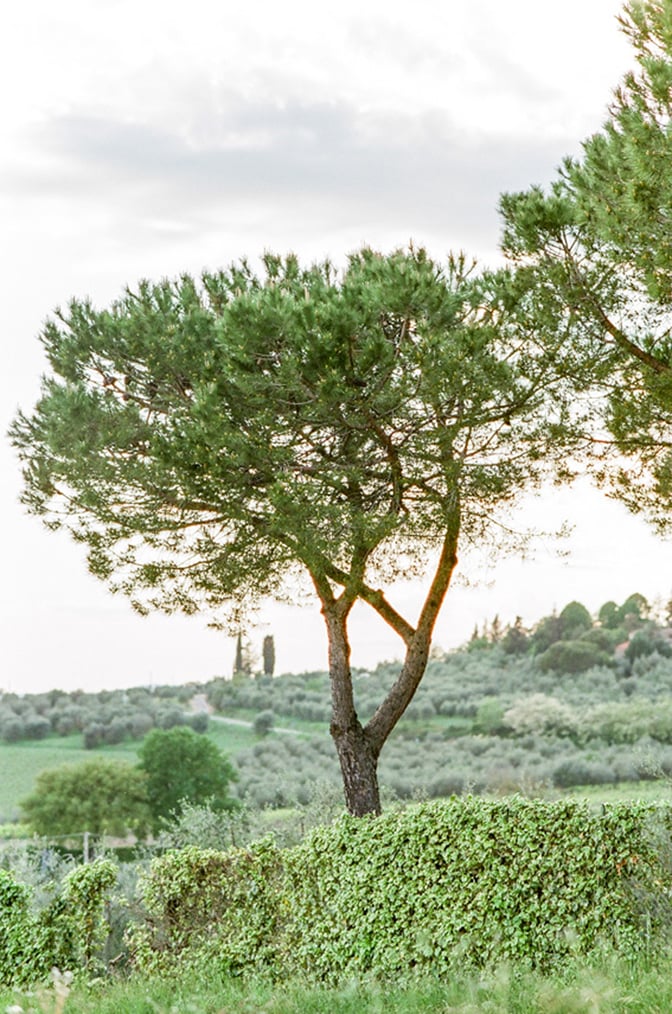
613, 988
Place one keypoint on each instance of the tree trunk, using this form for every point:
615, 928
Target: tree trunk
359, 768
359, 748
356, 755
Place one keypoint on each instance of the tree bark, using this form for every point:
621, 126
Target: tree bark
357, 757
359, 769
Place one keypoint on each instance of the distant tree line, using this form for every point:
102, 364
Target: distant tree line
103, 719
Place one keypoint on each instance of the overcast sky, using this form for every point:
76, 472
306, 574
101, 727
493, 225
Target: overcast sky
145, 139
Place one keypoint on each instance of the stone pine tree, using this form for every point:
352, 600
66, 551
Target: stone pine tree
595, 253
213, 441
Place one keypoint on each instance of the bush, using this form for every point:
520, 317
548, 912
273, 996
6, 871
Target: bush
264, 722
94, 735
69, 932
540, 713
115, 732
205, 906
579, 771
466, 882
141, 724
444, 785
36, 727
170, 718
645, 642
490, 718
199, 722
571, 657
13, 730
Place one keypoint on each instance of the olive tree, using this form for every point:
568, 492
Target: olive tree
216, 441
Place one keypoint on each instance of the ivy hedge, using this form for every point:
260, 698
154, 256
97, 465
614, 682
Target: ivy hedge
68, 933
464, 880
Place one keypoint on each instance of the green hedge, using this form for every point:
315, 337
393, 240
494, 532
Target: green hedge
464, 880
68, 933
203, 906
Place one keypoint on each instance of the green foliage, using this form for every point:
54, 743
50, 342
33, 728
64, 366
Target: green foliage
268, 655
516, 638
547, 631
219, 436
290, 410
540, 713
605, 638
15, 925
575, 620
466, 882
68, 932
181, 765
104, 718
204, 907
100, 796
594, 255
620, 722
572, 657
645, 642
634, 611
608, 614
264, 722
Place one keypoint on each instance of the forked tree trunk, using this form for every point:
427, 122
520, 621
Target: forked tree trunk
359, 747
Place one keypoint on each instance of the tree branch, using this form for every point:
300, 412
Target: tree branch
400, 695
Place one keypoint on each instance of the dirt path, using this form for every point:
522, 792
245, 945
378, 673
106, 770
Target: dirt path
200, 704
248, 725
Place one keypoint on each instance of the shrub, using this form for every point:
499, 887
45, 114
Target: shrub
490, 718
645, 642
13, 730
94, 735
205, 906
571, 657
264, 722
466, 881
199, 722
69, 932
579, 771
115, 732
540, 713
37, 727
170, 718
141, 724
